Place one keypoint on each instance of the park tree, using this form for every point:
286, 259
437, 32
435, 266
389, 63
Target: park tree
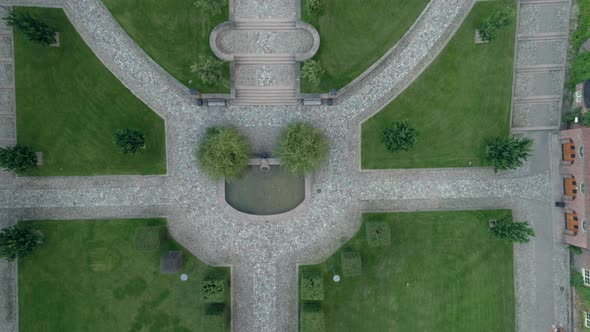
18, 158
18, 242
34, 29
302, 148
129, 141
506, 229
209, 70
223, 153
312, 71
497, 20
399, 136
508, 152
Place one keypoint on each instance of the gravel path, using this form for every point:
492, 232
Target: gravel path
263, 255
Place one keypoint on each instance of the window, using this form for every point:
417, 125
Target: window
578, 96
581, 150
587, 319
586, 274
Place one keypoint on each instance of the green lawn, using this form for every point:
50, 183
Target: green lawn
354, 34
69, 107
173, 32
441, 272
459, 102
89, 276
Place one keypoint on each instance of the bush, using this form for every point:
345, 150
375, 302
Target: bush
312, 286
579, 69
18, 242
214, 319
129, 141
209, 70
211, 7
351, 263
302, 148
34, 29
575, 250
312, 7
582, 32
224, 153
399, 136
571, 116
508, 152
511, 231
312, 71
312, 317
498, 19
213, 289
378, 234
17, 159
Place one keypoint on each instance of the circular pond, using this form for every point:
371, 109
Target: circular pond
265, 192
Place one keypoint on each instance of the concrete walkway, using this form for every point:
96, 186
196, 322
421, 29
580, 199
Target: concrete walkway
263, 255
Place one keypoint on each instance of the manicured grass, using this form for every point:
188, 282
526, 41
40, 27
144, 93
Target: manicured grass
69, 107
355, 34
173, 32
442, 271
89, 276
458, 103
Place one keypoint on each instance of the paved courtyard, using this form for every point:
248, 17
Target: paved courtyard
264, 254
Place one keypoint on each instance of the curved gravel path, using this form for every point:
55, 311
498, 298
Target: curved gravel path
264, 255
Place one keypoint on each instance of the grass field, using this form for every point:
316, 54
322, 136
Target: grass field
69, 107
173, 32
441, 272
353, 37
89, 276
458, 103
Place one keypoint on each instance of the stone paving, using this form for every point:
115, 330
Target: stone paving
264, 254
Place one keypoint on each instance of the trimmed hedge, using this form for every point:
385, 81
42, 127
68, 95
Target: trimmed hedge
312, 317
378, 234
214, 319
351, 263
213, 289
312, 286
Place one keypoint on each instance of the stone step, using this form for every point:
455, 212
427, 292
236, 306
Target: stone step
538, 68
265, 25
267, 102
542, 36
264, 94
537, 99
263, 59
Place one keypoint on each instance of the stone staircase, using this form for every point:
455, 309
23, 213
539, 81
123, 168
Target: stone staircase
7, 95
265, 78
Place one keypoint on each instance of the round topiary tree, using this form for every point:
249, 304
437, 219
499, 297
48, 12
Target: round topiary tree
224, 153
399, 136
508, 152
18, 241
18, 158
209, 70
129, 141
506, 229
312, 71
302, 148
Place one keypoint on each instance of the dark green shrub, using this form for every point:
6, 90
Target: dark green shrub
506, 229
34, 29
312, 71
575, 250
579, 69
213, 289
571, 116
508, 152
351, 263
312, 286
17, 159
586, 120
18, 242
129, 141
498, 19
312, 7
312, 317
399, 136
302, 148
378, 234
214, 318
148, 238
224, 153
209, 70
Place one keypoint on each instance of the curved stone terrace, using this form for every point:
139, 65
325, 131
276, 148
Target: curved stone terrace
264, 255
